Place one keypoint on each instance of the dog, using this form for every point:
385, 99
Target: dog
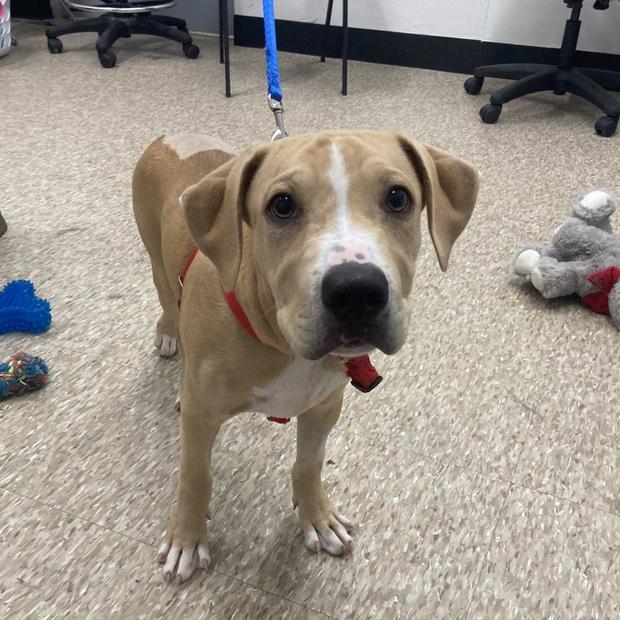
276, 269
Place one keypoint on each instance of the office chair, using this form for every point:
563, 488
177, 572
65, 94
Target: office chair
589, 84
122, 19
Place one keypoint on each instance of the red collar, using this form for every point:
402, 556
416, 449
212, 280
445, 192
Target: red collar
362, 373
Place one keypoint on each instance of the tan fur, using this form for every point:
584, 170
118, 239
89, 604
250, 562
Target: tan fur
272, 266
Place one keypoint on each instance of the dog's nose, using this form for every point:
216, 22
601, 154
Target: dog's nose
354, 292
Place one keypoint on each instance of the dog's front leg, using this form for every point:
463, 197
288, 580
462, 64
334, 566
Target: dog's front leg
185, 546
323, 527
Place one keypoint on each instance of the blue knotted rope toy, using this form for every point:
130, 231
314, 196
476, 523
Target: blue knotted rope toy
21, 374
21, 310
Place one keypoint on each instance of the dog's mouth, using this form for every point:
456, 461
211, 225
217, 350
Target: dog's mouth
353, 348
328, 337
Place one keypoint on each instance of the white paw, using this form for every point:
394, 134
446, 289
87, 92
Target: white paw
179, 564
595, 199
167, 345
537, 279
334, 539
526, 261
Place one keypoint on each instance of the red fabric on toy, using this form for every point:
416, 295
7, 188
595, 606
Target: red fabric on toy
604, 280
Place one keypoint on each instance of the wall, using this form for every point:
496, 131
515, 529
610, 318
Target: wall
200, 15
525, 22
541, 22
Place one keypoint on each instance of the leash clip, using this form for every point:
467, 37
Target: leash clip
278, 112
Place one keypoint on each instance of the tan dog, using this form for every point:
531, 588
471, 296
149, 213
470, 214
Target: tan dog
318, 236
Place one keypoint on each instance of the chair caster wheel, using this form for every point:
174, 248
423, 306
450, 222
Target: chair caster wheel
490, 112
190, 50
606, 126
54, 45
107, 59
473, 85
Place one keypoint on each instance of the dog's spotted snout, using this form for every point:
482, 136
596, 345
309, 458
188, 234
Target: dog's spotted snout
354, 293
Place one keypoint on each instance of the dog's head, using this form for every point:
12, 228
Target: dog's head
334, 231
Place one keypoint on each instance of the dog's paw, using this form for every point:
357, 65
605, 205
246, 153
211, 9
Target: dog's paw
526, 262
181, 558
167, 345
325, 529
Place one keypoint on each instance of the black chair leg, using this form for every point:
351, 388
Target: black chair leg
345, 45
515, 71
589, 90
609, 80
145, 25
116, 29
541, 81
225, 44
221, 30
97, 24
328, 21
167, 20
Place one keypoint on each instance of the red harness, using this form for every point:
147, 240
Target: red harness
362, 373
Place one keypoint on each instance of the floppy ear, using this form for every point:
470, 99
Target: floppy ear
450, 188
214, 210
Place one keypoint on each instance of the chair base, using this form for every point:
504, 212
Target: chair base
112, 27
590, 84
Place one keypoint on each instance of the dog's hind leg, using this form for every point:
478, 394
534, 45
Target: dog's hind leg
166, 331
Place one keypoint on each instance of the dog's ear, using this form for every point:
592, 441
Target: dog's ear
450, 188
215, 209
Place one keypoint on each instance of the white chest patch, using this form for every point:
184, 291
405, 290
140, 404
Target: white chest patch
301, 385
187, 144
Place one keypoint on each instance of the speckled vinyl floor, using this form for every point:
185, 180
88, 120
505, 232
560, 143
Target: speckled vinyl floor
484, 473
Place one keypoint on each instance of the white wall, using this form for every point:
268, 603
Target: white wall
541, 23
524, 22
200, 16
450, 18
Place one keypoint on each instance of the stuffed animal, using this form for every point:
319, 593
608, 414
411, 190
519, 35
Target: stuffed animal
584, 257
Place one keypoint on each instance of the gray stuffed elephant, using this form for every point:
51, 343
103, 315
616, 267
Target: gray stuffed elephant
584, 257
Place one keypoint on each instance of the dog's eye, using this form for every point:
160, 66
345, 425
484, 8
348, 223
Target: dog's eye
282, 206
398, 199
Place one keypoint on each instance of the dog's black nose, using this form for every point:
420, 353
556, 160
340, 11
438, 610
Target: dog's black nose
354, 292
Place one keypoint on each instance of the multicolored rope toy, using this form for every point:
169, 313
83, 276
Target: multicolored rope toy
22, 374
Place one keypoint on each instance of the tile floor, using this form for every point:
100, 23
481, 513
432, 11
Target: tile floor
483, 473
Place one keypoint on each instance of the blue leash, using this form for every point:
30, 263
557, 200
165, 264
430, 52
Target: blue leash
274, 91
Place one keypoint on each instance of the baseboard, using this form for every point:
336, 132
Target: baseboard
408, 50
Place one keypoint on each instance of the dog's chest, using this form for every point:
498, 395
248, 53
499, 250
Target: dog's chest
301, 385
